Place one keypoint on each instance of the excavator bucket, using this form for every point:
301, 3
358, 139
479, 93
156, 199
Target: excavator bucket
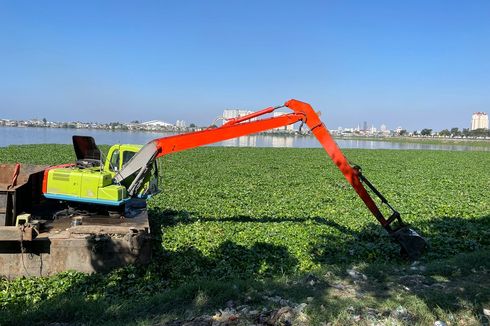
412, 244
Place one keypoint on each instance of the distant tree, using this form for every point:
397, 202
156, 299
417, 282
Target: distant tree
45, 121
415, 133
192, 125
445, 132
479, 132
403, 132
466, 132
455, 131
426, 132
135, 122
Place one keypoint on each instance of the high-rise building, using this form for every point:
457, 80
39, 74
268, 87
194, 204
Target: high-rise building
181, 124
285, 128
234, 113
479, 120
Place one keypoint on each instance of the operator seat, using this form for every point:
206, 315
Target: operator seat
87, 152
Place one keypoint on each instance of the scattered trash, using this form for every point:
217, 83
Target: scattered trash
401, 313
225, 316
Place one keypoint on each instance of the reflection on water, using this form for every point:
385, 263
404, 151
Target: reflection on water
259, 141
247, 141
14, 136
282, 141
311, 142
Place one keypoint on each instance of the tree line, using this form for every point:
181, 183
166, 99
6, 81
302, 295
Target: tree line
455, 132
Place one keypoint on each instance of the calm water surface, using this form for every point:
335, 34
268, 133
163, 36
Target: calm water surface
17, 136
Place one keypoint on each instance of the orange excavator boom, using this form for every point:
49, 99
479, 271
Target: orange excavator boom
412, 244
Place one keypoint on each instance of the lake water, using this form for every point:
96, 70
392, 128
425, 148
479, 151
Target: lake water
17, 136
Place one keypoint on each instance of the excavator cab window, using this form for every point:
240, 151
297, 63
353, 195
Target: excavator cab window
127, 155
115, 161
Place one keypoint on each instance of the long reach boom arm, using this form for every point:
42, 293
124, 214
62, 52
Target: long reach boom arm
412, 245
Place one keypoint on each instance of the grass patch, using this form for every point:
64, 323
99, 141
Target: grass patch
385, 293
250, 225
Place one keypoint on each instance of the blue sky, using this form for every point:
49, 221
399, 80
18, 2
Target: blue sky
411, 63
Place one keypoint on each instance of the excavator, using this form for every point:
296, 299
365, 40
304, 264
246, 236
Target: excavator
129, 173
128, 169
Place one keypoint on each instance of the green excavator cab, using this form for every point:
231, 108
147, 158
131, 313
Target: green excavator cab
91, 179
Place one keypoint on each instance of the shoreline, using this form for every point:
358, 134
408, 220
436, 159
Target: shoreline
424, 140
471, 142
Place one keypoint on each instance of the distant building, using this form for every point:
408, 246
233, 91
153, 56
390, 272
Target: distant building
365, 126
479, 120
181, 124
285, 128
383, 128
234, 113
157, 123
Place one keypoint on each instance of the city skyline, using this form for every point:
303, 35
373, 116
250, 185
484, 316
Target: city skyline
378, 121
479, 120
